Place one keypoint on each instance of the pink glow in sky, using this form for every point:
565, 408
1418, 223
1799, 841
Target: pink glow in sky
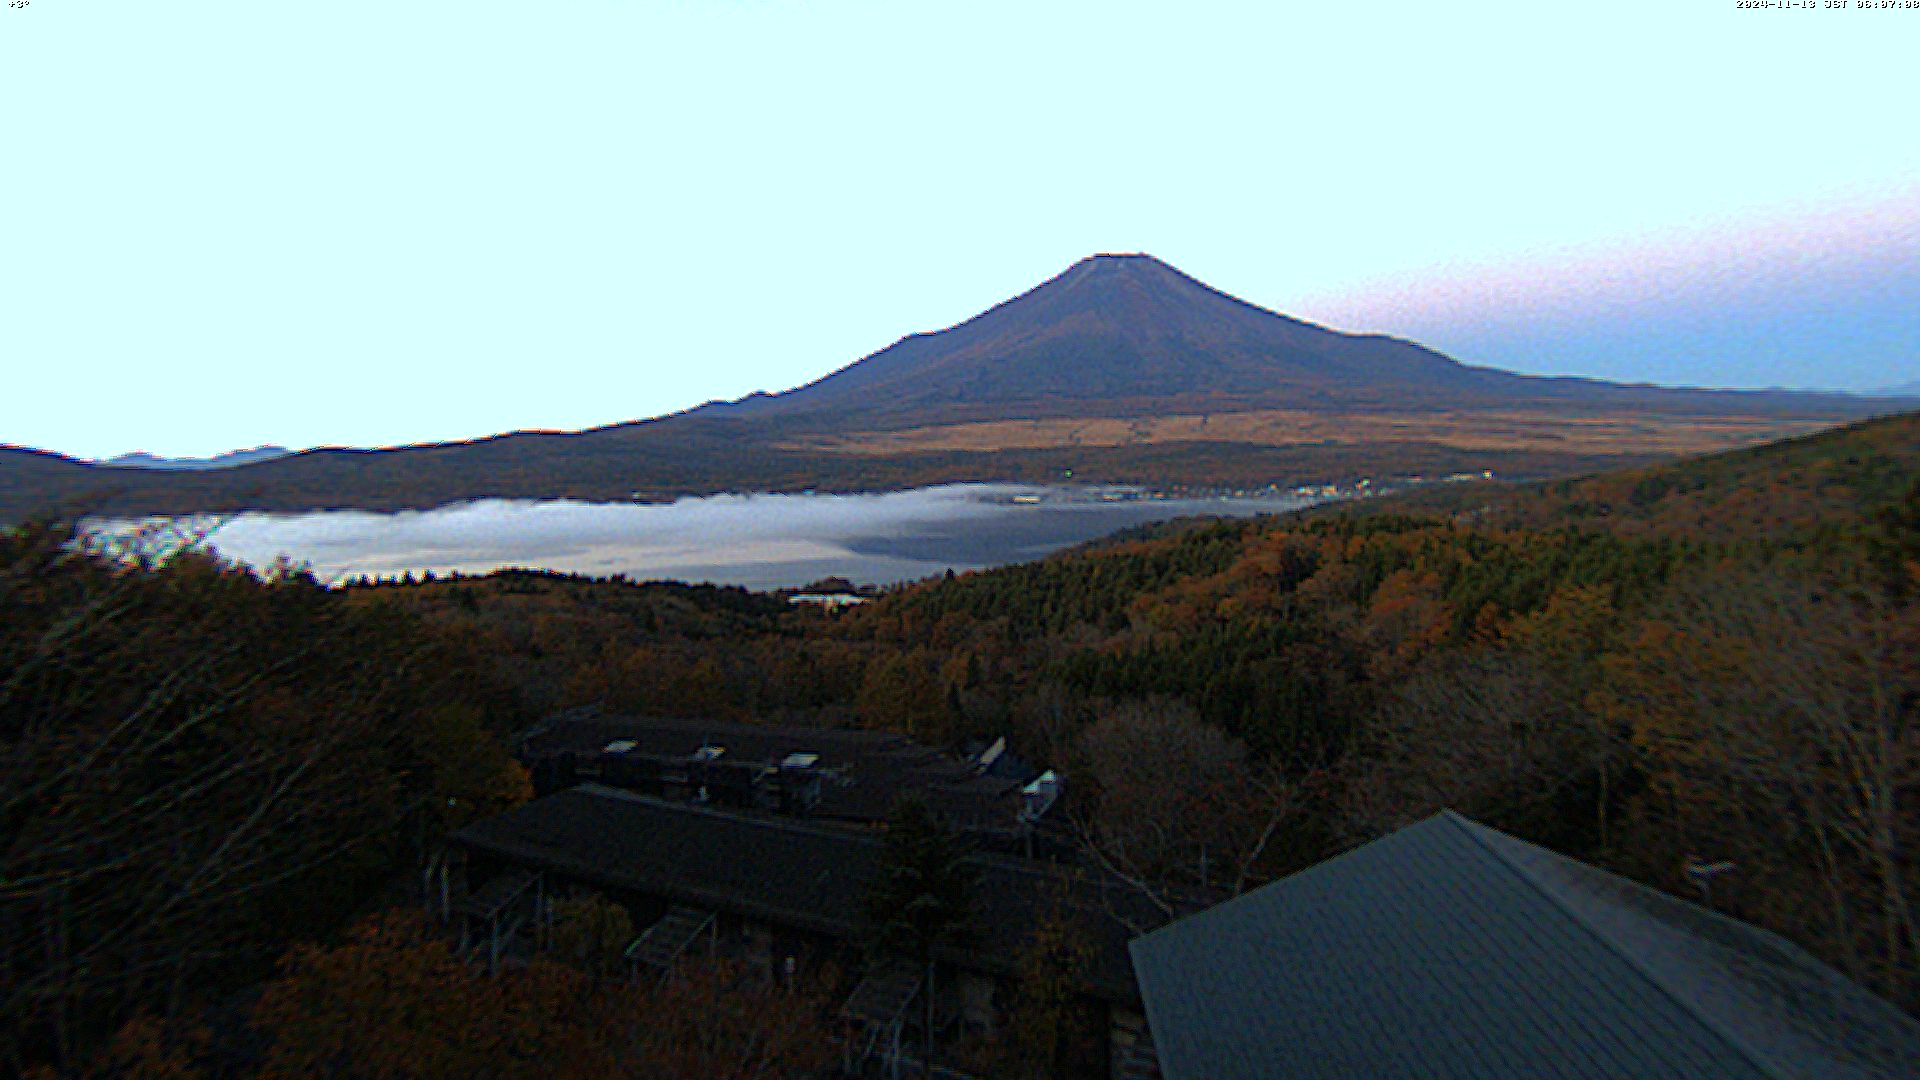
1832, 291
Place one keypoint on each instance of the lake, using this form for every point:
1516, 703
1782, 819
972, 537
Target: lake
759, 541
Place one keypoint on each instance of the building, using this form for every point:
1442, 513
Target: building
1451, 950
827, 775
782, 895
828, 601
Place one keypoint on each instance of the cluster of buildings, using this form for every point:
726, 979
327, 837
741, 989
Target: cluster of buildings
761, 843
830, 777
1445, 950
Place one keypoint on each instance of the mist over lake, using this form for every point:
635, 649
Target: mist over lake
759, 541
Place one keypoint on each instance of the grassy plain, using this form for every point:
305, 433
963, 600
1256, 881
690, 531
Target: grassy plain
1604, 434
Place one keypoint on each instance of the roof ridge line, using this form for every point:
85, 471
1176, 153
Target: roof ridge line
1740, 1046
1010, 863
608, 791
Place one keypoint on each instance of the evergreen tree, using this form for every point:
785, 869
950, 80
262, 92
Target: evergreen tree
922, 899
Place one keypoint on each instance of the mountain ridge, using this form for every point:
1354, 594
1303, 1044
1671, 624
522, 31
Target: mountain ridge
1141, 308
1131, 329
140, 459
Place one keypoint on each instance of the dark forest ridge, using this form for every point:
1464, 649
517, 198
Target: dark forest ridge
1120, 369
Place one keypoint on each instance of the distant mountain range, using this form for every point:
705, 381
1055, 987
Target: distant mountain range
140, 459
1119, 369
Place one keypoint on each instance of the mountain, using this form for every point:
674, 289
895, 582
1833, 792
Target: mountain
1121, 369
1904, 390
1131, 334
1116, 328
140, 459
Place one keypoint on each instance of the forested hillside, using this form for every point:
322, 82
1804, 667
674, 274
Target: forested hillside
217, 790
199, 767
1714, 660
1800, 491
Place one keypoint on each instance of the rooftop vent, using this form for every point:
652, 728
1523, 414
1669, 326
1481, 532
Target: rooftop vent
1038, 797
990, 755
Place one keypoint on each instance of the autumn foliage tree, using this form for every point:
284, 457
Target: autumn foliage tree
1776, 718
902, 693
1498, 728
1048, 1033
196, 763
717, 1022
1172, 800
591, 934
394, 1002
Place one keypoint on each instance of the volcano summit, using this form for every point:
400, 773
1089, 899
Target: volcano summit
1131, 335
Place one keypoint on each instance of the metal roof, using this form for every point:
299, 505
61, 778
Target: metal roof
1451, 950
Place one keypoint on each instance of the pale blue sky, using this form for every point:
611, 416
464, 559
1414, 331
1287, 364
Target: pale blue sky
235, 223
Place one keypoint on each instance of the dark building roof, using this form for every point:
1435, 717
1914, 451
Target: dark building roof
1450, 950
799, 876
586, 731
864, 772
